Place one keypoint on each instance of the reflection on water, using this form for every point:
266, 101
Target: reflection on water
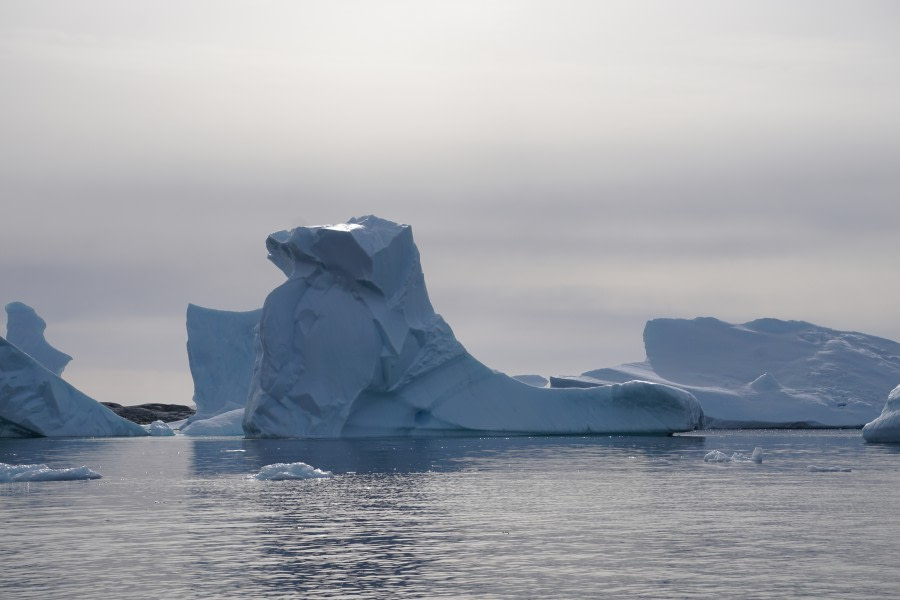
462, 516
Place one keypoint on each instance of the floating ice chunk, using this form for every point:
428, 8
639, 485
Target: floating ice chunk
25, 330
350, 346
283, 471
160, 428
815, 469
229, 423
737, 457
886, 428
15, 473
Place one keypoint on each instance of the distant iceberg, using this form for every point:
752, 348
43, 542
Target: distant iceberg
765, 373
160, 429
36, 402
886, 428
221, 347
25, 330
351, 346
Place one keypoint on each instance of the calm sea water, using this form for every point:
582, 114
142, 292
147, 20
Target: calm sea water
519, 517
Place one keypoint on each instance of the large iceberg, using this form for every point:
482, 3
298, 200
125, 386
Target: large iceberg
765, 373
25, 329
351, 346
36, 402
886, 428
221, 347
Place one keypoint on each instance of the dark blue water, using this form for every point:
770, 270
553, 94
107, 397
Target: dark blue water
459, 517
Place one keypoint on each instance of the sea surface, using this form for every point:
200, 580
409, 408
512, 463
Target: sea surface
480, 517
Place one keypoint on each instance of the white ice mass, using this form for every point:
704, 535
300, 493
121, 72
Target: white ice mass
766, 372
351, 346
25, 330
718, 456
160, 428
227, 423
222, 347
17, 473
886, 428
36, 402
285, 471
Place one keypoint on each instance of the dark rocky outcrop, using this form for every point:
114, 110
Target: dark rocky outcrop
145, 414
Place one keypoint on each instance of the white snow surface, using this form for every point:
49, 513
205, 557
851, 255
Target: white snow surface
25, 330
160, 428
16, 473
535, 380
36, 402
765, 373
222, 348
886, 428
285, 471
229, 423
351, 346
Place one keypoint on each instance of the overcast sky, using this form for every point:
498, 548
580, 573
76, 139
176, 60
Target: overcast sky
570, 169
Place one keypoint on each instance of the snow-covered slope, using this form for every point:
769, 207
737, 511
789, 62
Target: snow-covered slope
34, 401
766, 372
221, 350
25, 330
886, 428
351, 346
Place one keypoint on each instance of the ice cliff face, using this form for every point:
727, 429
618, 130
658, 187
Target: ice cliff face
886, 428
221, 348
25, 329
766, 372
351, 346
36, 402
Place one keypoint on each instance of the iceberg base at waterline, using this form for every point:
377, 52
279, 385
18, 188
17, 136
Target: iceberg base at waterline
886, 428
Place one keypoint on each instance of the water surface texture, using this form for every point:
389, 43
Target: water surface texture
517, 517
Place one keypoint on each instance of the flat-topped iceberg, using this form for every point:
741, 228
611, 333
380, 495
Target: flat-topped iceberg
222, 347
25, 329
35, 402
886, 428
764, 373
351, 346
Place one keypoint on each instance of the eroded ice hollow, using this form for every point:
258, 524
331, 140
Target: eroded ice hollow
351, 346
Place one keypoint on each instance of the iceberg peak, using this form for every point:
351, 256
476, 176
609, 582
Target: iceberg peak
25, 330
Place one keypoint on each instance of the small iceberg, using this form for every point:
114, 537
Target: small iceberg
284, 471
737, 457
160, 428
17, 473
815, 469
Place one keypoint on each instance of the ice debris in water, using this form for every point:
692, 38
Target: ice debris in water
14, 473
737, 457
160, 428
815, 469
297, 470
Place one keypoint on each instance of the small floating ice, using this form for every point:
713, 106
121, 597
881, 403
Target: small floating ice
737, 457
297, 470
15, 473
815, 469
160, 428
